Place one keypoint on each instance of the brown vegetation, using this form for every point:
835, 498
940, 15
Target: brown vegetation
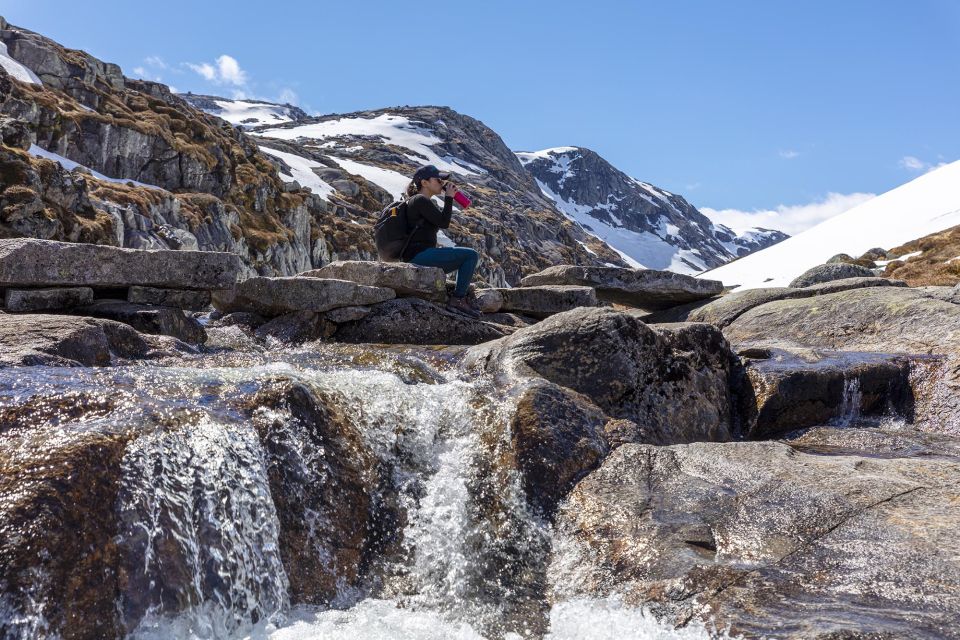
937, 265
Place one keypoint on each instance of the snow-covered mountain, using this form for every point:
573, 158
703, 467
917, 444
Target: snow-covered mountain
648, 226
246, 113
925, 205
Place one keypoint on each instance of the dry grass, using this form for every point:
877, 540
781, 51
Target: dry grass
935, 266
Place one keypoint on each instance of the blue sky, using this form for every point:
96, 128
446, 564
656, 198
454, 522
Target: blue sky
790, 108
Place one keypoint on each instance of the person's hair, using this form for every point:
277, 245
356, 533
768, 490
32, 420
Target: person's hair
412, 189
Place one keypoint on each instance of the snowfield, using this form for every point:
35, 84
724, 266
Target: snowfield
16, 69
301, 170
923, 206
251, 114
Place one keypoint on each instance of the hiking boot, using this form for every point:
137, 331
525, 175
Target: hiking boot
461, 305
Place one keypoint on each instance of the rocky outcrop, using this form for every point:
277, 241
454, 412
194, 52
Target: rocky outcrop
404, 278
629, 213
277, 296
642, 288
762, 539
415, 321
830, 272
30, 262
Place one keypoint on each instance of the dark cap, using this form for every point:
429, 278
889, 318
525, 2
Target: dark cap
429, 171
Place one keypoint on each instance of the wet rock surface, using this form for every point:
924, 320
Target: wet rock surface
674, 381
37, 339
765, 539
801, 388
644, 288
167, 321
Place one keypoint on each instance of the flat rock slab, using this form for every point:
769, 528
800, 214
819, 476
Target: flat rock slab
164, 321
415, 321
770, 540
644, 288
54, 340
404, 278
728, 308
39, 263
180, 298
33, 300
277, 296
546, 300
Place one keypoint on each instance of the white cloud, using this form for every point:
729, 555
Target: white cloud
155, 61
230, 71
789, 154
916, 164
791, 219
205, 70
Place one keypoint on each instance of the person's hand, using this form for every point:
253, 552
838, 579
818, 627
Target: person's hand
449, 190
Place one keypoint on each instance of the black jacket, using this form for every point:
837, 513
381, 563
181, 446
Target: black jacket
421, 211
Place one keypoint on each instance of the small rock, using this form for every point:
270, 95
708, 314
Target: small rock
180, 298
32, 300
416, 321
165, 321
347, 314
488, 300
296, 328
828, 272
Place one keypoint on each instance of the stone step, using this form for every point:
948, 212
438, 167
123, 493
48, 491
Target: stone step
273, 297
543, 301
404, 278
33, 300
643, 288
28, 262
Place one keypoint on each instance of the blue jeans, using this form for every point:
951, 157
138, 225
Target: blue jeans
463, 260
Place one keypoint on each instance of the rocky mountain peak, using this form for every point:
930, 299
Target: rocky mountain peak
649, 225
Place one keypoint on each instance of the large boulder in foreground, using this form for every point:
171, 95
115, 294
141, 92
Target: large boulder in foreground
771, 541
829, 272
673, 381
415, 321
37, 263
404, 278
276, 296
644, 288
65, 341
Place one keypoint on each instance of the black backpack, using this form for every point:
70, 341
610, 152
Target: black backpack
391, 232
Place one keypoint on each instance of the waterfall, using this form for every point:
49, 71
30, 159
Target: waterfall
850, 406
452, 550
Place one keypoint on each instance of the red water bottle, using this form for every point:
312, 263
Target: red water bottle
461, 199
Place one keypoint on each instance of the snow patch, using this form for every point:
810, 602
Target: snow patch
918, 208
17, 69
395, 183
240, 113
392, 129
301, 170
70, 165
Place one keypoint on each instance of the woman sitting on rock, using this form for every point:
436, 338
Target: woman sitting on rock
425, 219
